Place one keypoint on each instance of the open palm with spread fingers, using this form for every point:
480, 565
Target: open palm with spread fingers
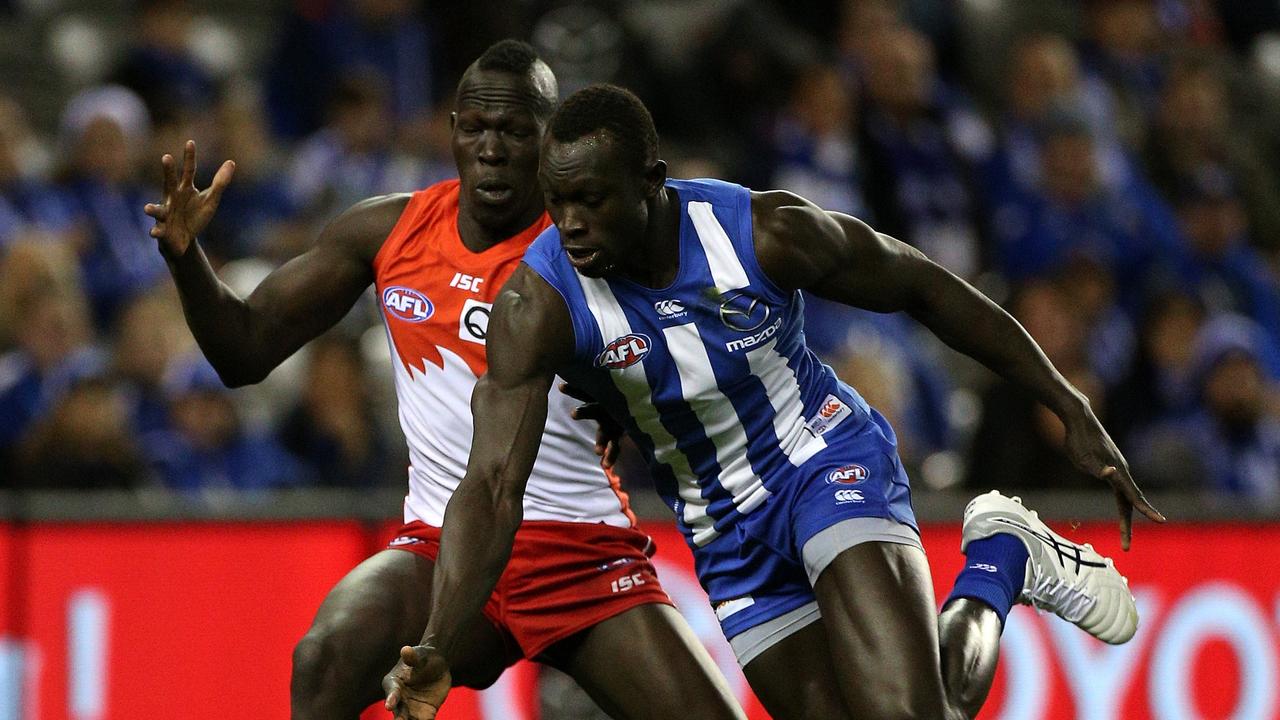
185, 211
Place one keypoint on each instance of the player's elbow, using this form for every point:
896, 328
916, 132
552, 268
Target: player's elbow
237, 376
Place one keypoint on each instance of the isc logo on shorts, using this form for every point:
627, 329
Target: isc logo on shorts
623, 352
849, 496
407, 304
848, 475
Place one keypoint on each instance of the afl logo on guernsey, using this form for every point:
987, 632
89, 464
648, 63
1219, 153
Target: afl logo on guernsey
623, 352
407, 304
848, 475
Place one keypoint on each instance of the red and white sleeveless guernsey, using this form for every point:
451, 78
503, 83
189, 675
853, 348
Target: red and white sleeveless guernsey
435, 297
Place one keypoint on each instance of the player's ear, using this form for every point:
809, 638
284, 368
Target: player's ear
453, 120
655, 177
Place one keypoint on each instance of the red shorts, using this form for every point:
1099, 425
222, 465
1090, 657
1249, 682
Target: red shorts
563, 577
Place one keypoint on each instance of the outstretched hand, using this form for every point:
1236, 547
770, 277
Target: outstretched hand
608, 433
416, 687
1092, 450
185, 212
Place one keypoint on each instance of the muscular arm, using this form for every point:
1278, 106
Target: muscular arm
529, 337
246, 338
840, 258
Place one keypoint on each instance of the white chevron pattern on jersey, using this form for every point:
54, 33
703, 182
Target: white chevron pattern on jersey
634, 386
434, 402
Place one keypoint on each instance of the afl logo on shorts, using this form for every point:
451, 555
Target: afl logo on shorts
623, 352
848, 475
407, 304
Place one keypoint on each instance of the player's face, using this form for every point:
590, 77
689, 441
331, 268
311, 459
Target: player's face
597, 200
496, 135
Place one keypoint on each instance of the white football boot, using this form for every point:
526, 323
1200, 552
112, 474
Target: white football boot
1071, 580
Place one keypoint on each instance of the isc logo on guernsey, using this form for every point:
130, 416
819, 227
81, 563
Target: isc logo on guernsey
623, 352
407, 304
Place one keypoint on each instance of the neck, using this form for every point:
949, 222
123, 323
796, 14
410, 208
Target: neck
478, 237
658, 258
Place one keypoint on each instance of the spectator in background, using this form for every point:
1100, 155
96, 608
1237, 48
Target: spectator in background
206, 449
47, 319
1223, 271
1196, 134
332, 429
1231, 444
1019, 442
1110, 339
256, 214
1160, 387
29, 206
104, 131
159, 65
84, 440
1125, 48
1045, 77
325, 42
1128, 230
815, 144
149, 335
353, 157
922, 141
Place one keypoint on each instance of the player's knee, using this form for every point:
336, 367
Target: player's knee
316, 660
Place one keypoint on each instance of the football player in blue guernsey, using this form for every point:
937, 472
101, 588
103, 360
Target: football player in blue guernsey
675, 304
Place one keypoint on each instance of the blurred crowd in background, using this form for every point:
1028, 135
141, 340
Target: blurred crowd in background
1107, 170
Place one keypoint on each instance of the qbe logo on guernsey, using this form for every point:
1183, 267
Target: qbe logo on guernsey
473, 323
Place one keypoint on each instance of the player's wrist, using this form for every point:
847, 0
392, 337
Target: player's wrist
176, 253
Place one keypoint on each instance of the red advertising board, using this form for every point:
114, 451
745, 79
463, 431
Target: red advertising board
198, 620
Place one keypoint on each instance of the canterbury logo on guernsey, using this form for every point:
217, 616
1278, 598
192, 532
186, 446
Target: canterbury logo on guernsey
669, 309
623, 352
830, 414
849, 496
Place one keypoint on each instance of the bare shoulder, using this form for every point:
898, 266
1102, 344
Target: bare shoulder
361, 229
794, 238
530, 330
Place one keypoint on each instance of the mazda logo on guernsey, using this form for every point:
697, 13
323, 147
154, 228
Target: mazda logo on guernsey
742, 312
623, 352
407, 304
848, 475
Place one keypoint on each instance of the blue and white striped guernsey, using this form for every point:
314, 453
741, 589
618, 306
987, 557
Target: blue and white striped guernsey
711, 375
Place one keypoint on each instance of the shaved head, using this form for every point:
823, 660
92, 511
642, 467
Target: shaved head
515, 58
